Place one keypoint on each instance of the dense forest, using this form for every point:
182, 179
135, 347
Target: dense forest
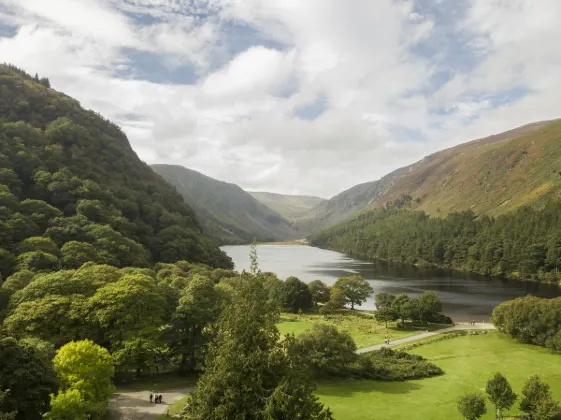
523, 244
73, 190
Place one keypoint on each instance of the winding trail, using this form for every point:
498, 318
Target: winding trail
457, 327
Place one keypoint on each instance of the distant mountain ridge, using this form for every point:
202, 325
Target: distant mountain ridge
292, 207
228, 214
492, 175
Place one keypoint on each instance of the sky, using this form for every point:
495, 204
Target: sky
295, 96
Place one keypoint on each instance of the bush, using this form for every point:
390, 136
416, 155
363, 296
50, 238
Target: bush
393, 365
327, 351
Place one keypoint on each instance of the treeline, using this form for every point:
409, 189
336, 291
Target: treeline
531, 320
524, 244
72, 190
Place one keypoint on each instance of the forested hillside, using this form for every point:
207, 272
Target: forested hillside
229, 215
72, 190
523, 244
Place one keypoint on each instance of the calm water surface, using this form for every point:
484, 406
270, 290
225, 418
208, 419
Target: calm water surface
464, 296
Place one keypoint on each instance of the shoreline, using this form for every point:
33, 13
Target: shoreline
443, 267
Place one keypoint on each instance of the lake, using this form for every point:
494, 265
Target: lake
464, 296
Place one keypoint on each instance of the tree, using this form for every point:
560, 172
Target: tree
254, 267
428, 305
38, 261
199, 307
53, 318
547, 409
403, 307
87, 368
320, 292
29, 377
472, 406
383, 300
6, 415
18, 281
75, 254
38, 243
355, 289
385, 314
68, 405
336, 302
294, 295
250, 373
533, 392
500, 393
7, 261
129, 308
327, 350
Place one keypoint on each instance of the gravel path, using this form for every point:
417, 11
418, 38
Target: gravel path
458, 327
135, 405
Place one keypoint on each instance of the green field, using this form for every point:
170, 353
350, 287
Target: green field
467, 362
362, 327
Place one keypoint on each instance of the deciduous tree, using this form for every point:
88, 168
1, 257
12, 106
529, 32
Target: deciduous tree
320, 292
87, 368
29, 377
500, 393
472, 406
356, 289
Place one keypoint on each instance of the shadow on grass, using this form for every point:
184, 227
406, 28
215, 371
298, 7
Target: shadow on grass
349, 387
168, 381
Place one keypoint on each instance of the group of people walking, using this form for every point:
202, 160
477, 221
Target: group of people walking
156, 398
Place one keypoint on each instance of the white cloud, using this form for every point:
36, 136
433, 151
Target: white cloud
239, 122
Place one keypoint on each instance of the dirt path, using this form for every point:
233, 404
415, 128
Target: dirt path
135, 405
458, 327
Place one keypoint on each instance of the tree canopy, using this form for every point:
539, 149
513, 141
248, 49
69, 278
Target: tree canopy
356, 289
67, 175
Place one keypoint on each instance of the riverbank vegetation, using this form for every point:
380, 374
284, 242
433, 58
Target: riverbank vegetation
523, 244
531, 320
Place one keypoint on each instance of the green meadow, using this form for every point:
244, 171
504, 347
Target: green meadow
467, 361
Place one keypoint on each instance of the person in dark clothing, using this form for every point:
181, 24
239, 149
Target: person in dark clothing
151, 397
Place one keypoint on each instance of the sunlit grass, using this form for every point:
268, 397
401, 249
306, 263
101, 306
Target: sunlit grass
467, 361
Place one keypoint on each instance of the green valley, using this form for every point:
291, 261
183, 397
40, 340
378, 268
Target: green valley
228, 214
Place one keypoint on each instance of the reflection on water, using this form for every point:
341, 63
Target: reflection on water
464, 296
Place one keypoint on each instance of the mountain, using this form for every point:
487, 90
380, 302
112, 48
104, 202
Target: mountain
72, 189
228, 214
291, 207
490, 176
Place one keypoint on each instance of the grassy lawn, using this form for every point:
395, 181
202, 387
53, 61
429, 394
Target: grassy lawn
467, 362
176, 408
362, 327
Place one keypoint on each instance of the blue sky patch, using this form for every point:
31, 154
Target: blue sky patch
153, 68
313, 110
